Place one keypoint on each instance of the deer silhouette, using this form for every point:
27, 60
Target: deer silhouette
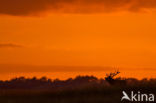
110, 77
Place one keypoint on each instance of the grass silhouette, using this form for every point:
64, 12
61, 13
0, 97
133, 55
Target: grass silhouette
82, 89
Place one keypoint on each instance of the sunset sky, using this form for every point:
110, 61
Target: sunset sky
78, 33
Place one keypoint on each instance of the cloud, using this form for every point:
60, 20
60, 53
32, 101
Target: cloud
35, 7
10, 45
34, 68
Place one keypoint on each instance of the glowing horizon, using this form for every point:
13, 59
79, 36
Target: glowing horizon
103, 33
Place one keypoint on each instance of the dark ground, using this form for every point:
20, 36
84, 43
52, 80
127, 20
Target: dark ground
79, 90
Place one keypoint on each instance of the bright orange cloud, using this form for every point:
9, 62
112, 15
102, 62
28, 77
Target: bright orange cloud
34, 7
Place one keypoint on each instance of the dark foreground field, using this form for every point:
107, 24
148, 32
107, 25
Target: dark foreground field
86, 89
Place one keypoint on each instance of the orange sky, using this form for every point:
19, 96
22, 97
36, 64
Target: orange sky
70, 37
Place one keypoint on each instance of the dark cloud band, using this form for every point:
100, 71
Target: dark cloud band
10, 45
34, 7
